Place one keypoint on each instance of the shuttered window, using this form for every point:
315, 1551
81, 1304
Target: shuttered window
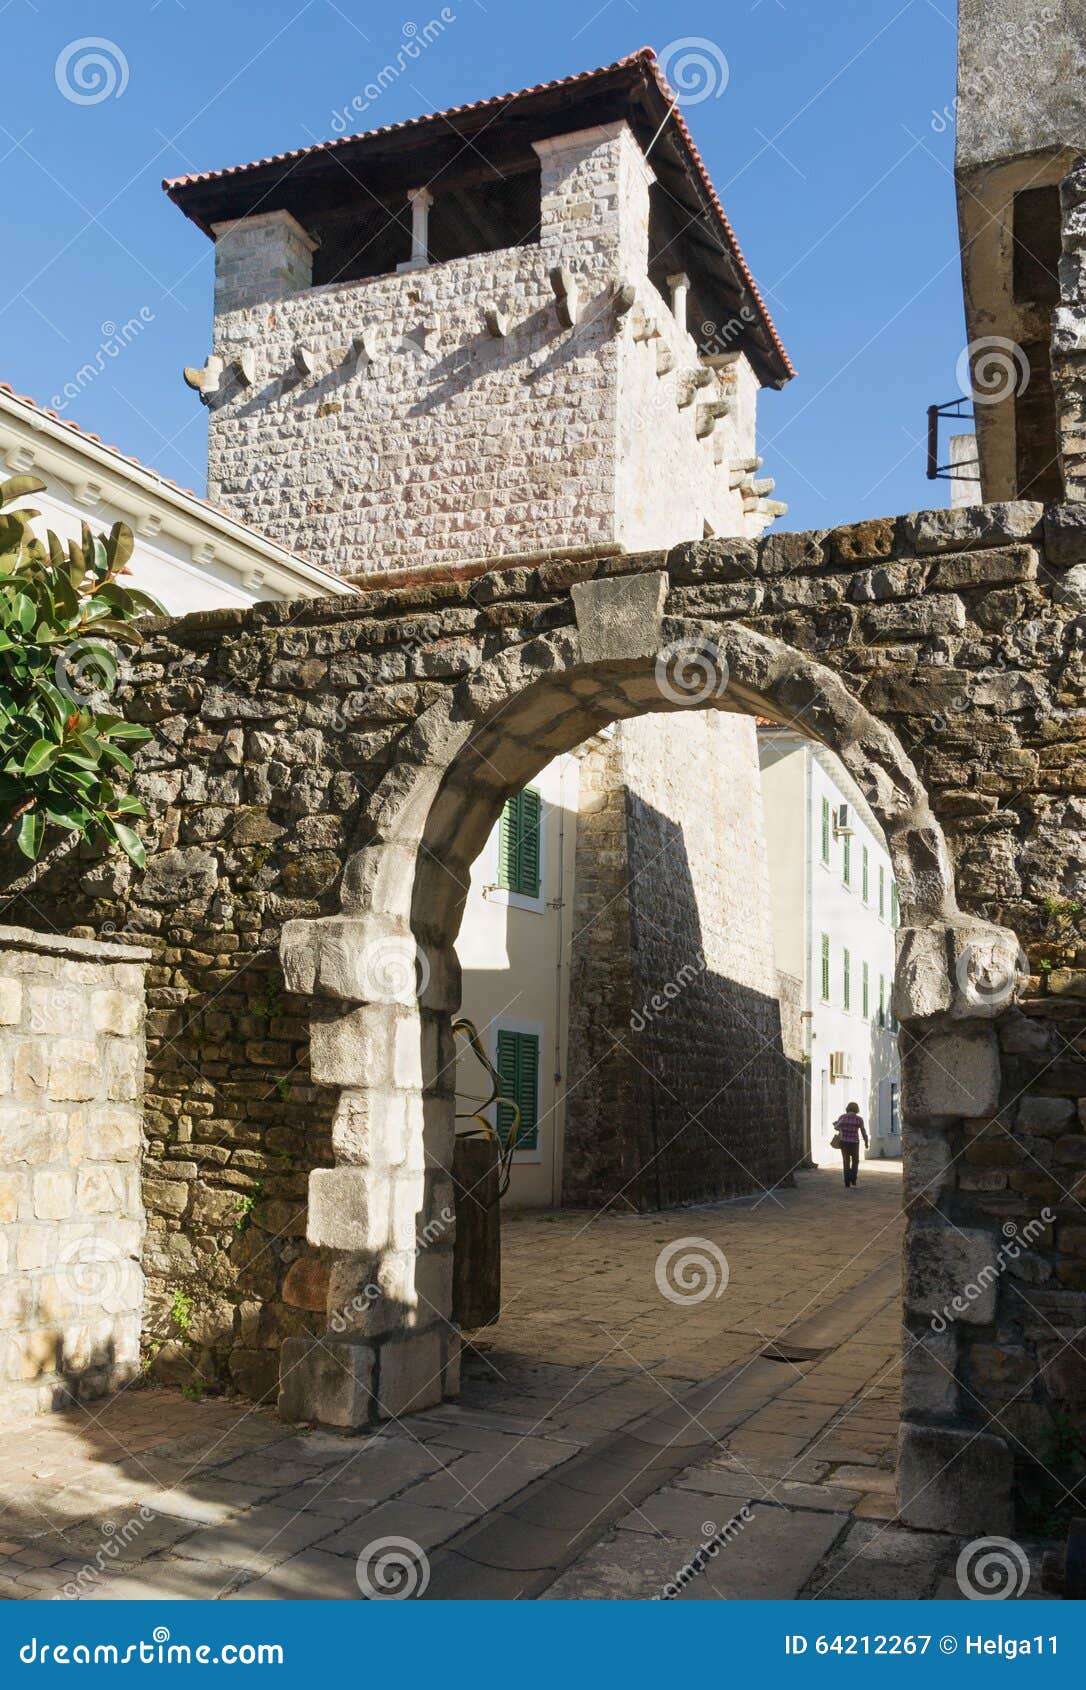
846, 980
825, 830
825, 968
518, 844
866, 876
518, 1076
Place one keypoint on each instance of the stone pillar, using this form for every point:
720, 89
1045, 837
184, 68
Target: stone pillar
71, 1146
679, 288
953, 982
260, 259
420, 201
384, 1216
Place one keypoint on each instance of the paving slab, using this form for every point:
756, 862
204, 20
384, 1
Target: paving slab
258, 1538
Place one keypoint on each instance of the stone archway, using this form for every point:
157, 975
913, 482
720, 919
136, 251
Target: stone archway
390, 1346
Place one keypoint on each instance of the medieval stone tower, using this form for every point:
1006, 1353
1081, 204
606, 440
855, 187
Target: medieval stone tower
517, 326
520, 327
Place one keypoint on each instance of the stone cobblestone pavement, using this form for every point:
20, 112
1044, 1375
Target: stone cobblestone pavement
602, 1430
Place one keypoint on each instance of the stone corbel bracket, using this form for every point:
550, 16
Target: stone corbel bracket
690, 385
305, 360
567, 295
709, 414
208, 380
623, 296
362, 351
496, 318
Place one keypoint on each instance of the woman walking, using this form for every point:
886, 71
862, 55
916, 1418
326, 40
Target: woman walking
850, 1128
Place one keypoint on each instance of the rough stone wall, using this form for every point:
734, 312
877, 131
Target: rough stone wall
606, 1104
677, 1089
71, 1212
441, 439
1069, 337
292, 738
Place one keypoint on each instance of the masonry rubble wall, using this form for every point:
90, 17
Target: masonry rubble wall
71, 1145
674, 1016
382, 420
294, 741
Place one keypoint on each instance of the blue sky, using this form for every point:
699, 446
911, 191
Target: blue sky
830, 140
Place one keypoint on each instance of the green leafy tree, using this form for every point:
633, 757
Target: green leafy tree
63, 613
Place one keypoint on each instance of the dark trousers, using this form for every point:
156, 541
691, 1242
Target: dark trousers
850, 1161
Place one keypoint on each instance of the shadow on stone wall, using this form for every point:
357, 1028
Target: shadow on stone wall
679, 1090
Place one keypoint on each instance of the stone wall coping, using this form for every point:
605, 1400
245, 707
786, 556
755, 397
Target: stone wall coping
83, 950
921, 537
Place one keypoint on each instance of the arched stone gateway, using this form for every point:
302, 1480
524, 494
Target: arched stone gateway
325, 775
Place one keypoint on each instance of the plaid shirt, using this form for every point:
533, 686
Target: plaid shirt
850, 1127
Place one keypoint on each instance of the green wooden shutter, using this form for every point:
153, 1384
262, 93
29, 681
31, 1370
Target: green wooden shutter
517, 1063
507, 842
825, 968
846, 980
825, 830
518, 844
531, 811
848, 860
867, 991
866, 889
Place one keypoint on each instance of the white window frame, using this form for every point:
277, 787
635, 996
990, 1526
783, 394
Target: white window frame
501, 894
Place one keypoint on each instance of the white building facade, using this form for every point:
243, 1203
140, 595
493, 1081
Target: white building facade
514, 950
189, 555
835, 909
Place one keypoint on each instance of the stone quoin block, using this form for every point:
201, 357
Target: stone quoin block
949, 1074
954, 1481
349, 1209
620, 620
952, 1274
327, 1381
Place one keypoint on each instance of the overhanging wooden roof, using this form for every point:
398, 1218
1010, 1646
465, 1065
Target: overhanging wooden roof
477, 142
